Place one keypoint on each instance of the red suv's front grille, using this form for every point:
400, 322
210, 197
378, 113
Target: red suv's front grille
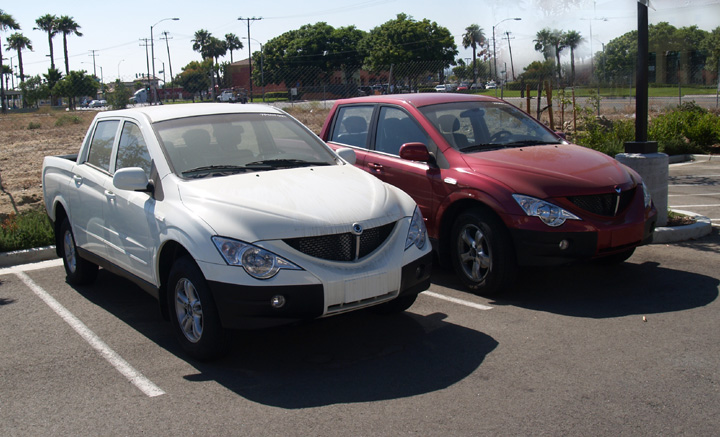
608, 205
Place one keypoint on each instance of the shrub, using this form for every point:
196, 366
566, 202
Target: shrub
33, 125
25, 230
688, 129
67, 119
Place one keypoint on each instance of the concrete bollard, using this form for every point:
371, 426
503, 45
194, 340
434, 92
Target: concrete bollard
654, 169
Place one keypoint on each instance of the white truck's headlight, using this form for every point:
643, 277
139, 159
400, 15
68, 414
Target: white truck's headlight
551, 215
417, 234
257, 262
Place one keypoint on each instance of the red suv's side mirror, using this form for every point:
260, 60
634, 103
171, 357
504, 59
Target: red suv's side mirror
415, 152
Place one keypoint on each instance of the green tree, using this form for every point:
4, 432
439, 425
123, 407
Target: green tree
67, 26
195, 77
404, 40
310, 54
18, 42
711, 45
47, 23
33, 90
7, 22
201, 43
473, 37
76, 84
52, 77
119, 98
543, 43
572, 39
232, 42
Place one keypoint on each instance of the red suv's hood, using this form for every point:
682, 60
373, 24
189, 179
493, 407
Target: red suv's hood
552, 171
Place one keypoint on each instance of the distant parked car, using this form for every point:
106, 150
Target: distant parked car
98, 103
491, 85
497, 188
441, 88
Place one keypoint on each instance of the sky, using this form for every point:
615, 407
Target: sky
113, 33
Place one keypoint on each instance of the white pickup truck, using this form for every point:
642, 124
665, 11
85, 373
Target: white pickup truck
232, 217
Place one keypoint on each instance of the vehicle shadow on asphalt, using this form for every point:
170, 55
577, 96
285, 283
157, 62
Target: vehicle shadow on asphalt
596, 291
355, 357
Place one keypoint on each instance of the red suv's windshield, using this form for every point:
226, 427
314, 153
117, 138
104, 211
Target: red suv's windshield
476, 126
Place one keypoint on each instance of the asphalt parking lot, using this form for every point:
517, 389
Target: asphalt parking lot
578, 350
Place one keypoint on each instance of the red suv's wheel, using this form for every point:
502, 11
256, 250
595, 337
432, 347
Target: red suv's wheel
482, 252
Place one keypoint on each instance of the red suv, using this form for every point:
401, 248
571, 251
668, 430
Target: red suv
497, 188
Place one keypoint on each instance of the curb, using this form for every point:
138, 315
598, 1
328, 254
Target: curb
701, 227
8, 259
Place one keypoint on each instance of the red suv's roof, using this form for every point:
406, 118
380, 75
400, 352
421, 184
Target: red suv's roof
418, 99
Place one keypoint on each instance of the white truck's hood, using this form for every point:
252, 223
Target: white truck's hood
290, 203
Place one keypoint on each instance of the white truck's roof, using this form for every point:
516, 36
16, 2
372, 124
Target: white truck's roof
169, 112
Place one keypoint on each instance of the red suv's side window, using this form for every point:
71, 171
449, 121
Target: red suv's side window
352, 125
395, 128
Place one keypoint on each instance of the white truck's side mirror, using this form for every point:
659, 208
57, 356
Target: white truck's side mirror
131, 179
347, 154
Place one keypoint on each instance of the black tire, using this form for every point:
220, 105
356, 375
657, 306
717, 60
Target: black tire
395, 306
78, 271
482, 253
617, 258
193, 313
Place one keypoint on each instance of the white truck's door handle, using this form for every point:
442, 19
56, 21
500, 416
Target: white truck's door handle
109, 194
78, 179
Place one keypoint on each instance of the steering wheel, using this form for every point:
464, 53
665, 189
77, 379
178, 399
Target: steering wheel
500, 134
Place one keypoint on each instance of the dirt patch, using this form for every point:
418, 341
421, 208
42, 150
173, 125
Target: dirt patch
25, 139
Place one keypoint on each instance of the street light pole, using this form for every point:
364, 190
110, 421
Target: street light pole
494, 51
152, 53
249, 52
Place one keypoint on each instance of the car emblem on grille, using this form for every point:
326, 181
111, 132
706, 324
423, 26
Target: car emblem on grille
357, 229
618, 189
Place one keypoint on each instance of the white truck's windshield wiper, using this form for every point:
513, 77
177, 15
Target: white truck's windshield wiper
208, 169
286, 163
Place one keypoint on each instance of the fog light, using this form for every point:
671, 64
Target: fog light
564, 244
277, 301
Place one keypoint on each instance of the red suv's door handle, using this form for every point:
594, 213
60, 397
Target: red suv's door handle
374, 166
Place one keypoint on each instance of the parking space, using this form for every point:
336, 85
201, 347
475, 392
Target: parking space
695, 187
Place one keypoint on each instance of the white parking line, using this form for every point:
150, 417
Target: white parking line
693, 195
696, 206
477, 306
122, 366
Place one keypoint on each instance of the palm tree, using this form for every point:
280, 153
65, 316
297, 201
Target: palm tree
201, 42
558, 42
7, 22
17, 41
543, 43
572, 39
67, 26
473, 37
47, 24
550, 42
232, 42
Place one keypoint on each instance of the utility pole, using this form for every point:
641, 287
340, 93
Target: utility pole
92, 53
249, 52
147, 58
512, 67
166, 38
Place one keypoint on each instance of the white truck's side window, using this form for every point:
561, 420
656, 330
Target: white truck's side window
102, 143
132, 150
